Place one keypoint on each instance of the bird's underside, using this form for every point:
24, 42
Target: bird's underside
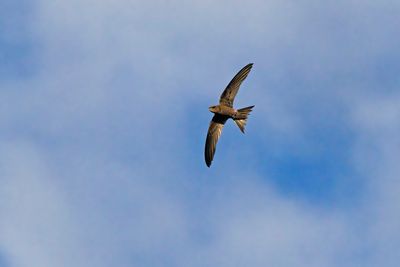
225, 111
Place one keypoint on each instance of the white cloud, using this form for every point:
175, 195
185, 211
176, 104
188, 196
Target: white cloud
93, 166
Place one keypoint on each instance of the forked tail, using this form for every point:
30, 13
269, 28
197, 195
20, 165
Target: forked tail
241, 117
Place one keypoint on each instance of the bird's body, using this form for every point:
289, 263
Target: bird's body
225, 111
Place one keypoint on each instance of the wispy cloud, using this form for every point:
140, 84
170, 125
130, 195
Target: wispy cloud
102, 136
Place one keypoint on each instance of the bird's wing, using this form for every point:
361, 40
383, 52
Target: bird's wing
214, 132
228, 95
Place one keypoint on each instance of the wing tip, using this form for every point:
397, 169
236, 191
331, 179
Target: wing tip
248, 67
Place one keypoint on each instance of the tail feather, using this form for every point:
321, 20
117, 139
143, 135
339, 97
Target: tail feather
241, 117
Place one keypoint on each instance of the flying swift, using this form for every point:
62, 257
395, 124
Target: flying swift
224, 111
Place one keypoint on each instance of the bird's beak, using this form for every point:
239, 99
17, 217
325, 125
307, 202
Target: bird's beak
210, 109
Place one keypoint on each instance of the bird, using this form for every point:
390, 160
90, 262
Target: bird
224, 111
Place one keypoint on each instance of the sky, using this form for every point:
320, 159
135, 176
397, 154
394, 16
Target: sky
104, 114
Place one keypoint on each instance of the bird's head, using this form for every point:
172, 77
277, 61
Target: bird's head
213, 109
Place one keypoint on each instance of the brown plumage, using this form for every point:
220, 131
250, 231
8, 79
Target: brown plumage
225, 111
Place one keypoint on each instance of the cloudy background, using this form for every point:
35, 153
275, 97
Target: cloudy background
104, 112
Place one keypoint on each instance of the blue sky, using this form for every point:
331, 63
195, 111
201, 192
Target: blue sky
104, 113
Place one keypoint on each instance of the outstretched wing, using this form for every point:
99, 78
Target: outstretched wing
228, 95
214, 132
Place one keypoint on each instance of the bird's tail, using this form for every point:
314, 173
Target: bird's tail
241, 117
